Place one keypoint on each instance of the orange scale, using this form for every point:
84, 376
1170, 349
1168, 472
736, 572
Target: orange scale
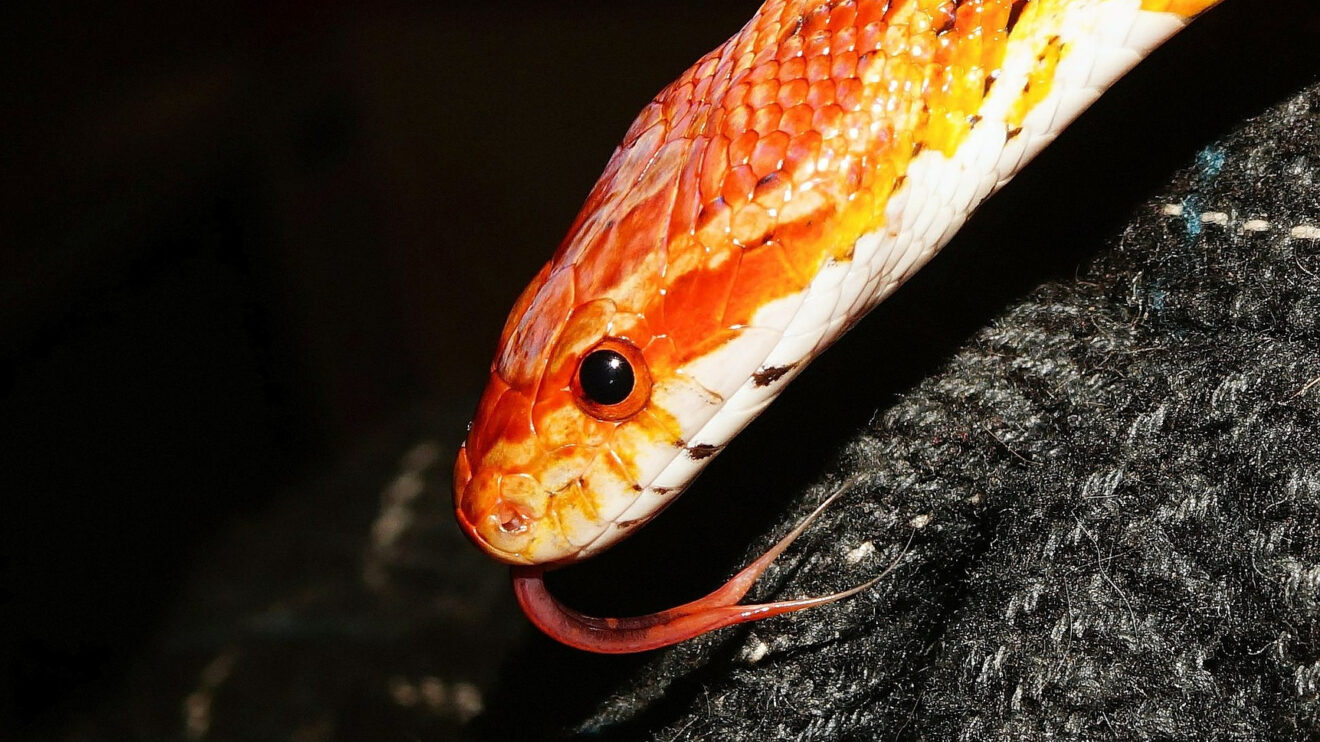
870, 36
697, 124
479, 494
557, 424
674, 96
965, 54
702, 88
763, 93
631, 326
922, 47
924, 21
772, 191
844, 66
650, 116
723, 84
882, 137
506, 419
683, 111
818, 69
767, 32
687, 196
851, 94
695, 301
994, 46
780, 12
827, 120
800, 155
793, 92
895, 41
738, 186
768, 154
581, 330
531, 333
946, 45
790, 49
714, 120
741, 147
854, 170
763, 276
524, 301
634, 248
815, 22
661, 353
944, 80
884, 178
714, 166
829, 151
768, 70
995, 14
706, 67
794, 68
803, 242
843, 15
713, 222
869, 66
728, 64
821, 93
766, 119
751, 224
686, 77
765, 54
845, 40
817, 45
872, 13
736, 120
796, 120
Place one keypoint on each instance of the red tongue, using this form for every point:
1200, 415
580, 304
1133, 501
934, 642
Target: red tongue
640, 633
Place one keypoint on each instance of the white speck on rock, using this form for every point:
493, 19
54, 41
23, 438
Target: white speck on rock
864, 550
756, 651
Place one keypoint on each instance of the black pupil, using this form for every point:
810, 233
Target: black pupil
605, 377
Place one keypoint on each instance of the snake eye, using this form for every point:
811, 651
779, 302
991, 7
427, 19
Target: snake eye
612, 381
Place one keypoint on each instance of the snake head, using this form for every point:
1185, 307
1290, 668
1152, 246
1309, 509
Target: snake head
676, 308
611, 364
568, 436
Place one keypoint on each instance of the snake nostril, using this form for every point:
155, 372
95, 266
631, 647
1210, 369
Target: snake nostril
510, 518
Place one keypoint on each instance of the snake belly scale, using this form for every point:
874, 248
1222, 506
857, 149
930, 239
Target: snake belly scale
757, 208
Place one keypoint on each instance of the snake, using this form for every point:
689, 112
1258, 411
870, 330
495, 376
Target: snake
757, 208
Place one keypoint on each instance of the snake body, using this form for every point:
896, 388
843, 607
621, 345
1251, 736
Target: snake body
757, 208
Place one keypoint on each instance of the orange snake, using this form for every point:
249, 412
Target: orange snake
757, 208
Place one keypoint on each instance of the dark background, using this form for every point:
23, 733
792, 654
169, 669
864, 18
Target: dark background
239, 239
239, 245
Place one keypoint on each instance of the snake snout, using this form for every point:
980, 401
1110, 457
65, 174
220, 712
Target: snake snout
504, 514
